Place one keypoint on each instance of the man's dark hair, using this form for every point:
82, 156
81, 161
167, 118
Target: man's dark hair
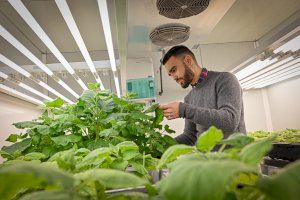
178, 51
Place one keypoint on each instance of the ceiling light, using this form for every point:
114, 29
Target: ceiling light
13, 91
292, 45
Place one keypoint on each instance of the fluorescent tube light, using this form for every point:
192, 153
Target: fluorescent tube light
13, 91
292, 45
11, 39
14, 66
277, 69
67, 15
283, 77
29, 19
254, 67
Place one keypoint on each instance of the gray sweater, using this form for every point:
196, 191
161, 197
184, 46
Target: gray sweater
216, 101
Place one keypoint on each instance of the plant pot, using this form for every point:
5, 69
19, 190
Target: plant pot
285, 151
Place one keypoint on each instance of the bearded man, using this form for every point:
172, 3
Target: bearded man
215, 98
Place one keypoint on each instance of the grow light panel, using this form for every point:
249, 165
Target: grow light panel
283, 77
277, 69
254, 67
67, 15
292, 45
102, 4
14, 66
12, 40
29, 19
13, 91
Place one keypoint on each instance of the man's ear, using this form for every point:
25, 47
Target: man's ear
188, 60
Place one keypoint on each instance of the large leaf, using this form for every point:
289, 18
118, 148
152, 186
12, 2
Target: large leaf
34, 156
173, 152
18, 146
201, 180
57, 103
159, 116
94, 158
113, 179
20, 176
237, 140
25, 124
253, 153
284, 185
208, 140
52, 195
63, 140
12, 183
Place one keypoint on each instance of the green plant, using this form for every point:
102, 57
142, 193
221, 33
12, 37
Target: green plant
230, 173
98, 119
285, 136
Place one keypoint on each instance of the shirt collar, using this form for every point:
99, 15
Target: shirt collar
203, 75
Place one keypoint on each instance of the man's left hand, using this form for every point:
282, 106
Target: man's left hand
171, 110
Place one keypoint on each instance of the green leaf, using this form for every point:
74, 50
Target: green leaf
12, 138
52, 195
237, 140
113, 179
168, 130
57, 103
34, 156
284, 185
64, 159
51, 175
129, 196
94, 158
173, 152
119, 164
12, 183
25, 124
159, 116
208, 140
94, 86
42, 129
18, 146
201, 180
152, 108
108, 133
253, 153
63, 140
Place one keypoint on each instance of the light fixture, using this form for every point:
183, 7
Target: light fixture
277, 68
251, 77
26, 87
292, 45
12, 40
254, 67
102, 4
67, 15
13, 91
286, 70
29, 19
25, 73
293, 73
14, 66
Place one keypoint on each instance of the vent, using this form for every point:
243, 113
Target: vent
175, 9
170, 34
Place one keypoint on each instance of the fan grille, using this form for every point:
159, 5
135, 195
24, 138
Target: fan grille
170, 34
176, 9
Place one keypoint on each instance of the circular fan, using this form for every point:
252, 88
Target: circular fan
170, 34
176, 9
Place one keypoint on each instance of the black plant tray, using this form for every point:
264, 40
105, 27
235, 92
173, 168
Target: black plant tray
285, 151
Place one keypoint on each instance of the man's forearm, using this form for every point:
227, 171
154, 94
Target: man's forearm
225, 118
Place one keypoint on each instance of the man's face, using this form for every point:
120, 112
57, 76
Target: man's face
178, 69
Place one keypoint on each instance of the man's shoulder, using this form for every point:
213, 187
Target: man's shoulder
216, 74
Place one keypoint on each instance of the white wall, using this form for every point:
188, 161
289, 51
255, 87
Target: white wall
284, 100
14, 110
254, 110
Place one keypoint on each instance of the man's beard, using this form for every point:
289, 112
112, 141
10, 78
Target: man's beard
187, 77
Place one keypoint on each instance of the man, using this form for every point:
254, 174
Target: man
215, 98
